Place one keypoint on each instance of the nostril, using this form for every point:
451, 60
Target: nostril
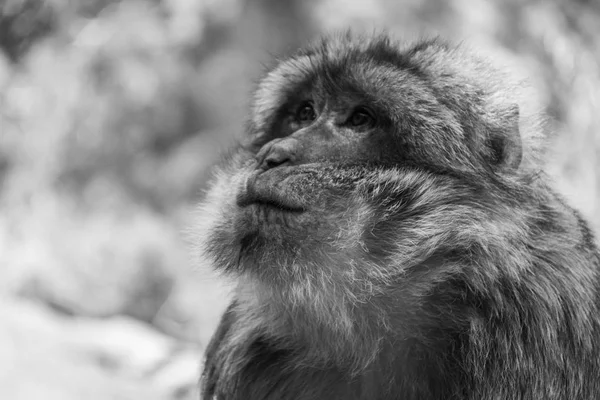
272, 162
276, 154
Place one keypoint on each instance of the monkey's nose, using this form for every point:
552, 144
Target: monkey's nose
275, 154
274, 159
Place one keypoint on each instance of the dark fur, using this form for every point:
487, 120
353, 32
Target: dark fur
423, 258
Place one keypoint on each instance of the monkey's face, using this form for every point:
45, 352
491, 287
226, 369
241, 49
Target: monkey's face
304, 186
300, 198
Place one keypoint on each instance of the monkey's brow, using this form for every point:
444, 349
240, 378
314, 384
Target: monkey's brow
349, 84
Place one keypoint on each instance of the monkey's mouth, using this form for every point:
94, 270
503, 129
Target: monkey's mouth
245, 201
269, 191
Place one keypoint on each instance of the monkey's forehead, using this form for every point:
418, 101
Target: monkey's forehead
330, 67
376, 69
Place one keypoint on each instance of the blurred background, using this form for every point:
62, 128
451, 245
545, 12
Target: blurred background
111, 114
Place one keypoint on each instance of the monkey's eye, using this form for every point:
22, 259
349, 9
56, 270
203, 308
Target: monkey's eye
306, 112
361, 117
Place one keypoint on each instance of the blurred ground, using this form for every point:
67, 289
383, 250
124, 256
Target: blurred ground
111, 112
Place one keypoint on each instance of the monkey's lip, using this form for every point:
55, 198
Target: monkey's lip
269, 189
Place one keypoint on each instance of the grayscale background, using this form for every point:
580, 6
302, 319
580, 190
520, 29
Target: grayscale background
111, 113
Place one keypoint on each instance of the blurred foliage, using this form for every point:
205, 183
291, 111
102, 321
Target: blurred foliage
22, 23
112, 111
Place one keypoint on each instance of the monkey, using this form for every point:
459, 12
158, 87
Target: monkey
390, 234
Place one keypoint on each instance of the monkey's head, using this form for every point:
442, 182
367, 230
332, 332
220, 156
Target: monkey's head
361, 162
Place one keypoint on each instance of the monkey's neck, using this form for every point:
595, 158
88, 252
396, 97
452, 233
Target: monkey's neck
321, 331
273, 342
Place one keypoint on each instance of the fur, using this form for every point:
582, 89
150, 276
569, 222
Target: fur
430, 262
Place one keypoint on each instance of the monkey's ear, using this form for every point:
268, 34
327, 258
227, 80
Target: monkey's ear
505, 143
